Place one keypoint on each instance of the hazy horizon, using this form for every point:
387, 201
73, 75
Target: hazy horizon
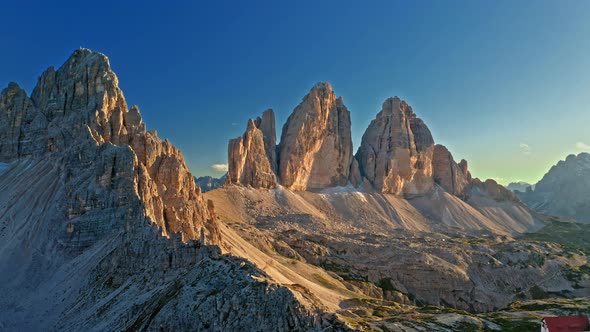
503, 87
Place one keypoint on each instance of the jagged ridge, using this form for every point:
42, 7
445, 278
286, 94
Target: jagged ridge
87, 195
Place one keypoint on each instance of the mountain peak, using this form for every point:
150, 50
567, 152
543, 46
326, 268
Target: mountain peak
563, 190
252, 156
315, 151
322, 86
87, 56
13, 86
80, 107
395, 104
396, 151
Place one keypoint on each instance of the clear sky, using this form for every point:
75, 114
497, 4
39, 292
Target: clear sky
503, 84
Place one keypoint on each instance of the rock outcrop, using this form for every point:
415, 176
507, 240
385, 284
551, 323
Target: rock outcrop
251, 157
396, 151
315, 151
447, 173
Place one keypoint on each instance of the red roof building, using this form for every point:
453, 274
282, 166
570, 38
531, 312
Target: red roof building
565, 324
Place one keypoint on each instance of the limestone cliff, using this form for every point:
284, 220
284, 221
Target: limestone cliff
447, 173
315, 151
396, 151
81, 103
252, 156
266, 124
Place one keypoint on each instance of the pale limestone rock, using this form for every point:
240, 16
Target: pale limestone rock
395, 154
83, 97
267, 125
315, 151
250, 156
447, 173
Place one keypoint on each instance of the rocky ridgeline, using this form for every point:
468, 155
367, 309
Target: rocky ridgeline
81, 104
397, 154
564, 191
85, 200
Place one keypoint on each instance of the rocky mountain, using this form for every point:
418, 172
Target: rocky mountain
397, 154
452, 177
315, 151
519, 186
252, 157
207, 183
103, 228
396, 151
564, 191
409, 224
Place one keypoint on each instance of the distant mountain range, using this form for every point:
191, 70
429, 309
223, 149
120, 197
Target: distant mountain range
519, 186
209, 183
564, 191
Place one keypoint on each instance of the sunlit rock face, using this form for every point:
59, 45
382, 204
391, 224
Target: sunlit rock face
81, 104
315, 151
447, 173
251, 156
103, 228
396, 150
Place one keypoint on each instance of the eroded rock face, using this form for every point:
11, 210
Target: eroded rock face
316, 146
396, 151
266, 124
16, 115
251, 157
81, 102
447, 173
84, 201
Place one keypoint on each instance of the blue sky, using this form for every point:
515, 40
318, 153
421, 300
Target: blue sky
504, 84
